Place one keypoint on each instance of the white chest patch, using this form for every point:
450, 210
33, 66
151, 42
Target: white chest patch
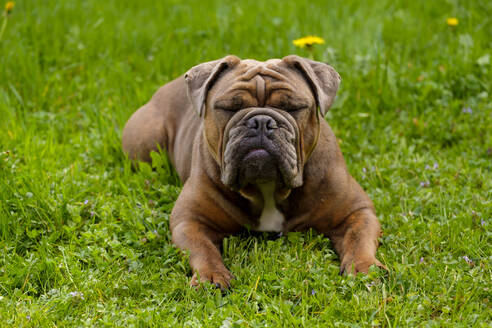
271, 218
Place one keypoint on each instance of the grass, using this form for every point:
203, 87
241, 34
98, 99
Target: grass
85, 240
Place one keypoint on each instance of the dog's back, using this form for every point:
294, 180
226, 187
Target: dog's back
166, 118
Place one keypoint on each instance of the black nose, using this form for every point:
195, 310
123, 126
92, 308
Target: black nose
262, 124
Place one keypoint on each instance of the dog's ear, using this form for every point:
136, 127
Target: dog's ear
323, 78
199, 79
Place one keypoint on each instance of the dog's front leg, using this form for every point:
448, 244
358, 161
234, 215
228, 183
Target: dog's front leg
202, 242
356, 241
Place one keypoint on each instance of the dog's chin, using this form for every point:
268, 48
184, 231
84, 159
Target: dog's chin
257, 167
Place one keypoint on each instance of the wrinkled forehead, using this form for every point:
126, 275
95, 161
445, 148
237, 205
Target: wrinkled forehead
274, 69
273, 73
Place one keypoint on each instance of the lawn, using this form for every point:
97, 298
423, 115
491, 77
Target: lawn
85, 239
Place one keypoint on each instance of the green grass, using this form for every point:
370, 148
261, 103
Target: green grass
85, 241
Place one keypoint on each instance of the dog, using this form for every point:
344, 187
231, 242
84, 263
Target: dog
249, 141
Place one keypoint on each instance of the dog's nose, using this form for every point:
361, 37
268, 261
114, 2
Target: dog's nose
262, 124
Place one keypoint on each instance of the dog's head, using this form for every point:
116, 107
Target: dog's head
261, 119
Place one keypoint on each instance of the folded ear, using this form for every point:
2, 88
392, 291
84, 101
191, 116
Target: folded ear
199, 79
323, 78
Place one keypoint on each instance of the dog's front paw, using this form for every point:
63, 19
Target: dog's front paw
353, 265
219, 277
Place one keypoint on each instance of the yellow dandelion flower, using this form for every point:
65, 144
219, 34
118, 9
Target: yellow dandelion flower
452, 21
9, 6
308, 41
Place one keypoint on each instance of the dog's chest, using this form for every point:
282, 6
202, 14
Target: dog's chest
271, 218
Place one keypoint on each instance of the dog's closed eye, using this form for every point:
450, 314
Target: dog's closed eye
235, 102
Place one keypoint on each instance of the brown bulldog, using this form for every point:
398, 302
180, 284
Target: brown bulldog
250, 143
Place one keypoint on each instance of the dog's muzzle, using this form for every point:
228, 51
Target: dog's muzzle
261, 145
